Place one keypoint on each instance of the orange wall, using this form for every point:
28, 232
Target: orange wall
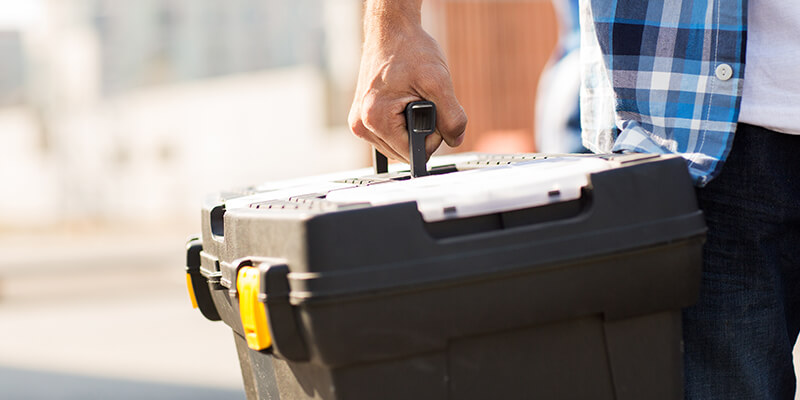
496, 50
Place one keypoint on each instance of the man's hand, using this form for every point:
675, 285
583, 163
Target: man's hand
401, 63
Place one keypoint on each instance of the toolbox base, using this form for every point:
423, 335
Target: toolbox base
584, 358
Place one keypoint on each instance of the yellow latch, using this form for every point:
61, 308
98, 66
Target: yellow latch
191, 290
252, 311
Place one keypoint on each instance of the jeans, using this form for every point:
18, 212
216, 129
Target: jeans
738, 338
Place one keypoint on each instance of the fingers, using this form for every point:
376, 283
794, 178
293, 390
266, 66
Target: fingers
432, 142
383, 115
378, 111
361, 131
383, 124
388, 151
451, 120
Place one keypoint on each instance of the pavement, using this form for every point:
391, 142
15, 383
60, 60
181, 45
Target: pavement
106, 315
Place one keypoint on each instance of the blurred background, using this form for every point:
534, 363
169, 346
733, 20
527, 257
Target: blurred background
116, 119
126, 112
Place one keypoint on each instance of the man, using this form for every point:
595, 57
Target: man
664, 77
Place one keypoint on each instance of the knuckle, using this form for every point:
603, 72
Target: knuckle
373, 116
359, 132
371, 109
357, 128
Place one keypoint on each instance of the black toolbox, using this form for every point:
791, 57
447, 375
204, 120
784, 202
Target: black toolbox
497, 277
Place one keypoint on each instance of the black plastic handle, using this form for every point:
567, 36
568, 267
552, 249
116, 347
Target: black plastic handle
420, 122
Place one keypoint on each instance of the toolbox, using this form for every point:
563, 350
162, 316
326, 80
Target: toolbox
495, 277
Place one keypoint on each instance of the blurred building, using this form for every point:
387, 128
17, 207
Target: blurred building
130, 111
149, 42
12, 68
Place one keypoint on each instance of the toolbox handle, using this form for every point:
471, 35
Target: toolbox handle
420, 122
217, 221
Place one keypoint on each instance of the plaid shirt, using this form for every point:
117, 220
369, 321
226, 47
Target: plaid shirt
663, 77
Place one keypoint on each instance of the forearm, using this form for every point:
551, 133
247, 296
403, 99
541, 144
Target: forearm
385, 17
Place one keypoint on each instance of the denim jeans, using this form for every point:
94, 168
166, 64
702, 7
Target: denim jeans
738, 338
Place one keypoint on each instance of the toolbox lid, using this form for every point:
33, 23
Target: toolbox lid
483, 191
283, 189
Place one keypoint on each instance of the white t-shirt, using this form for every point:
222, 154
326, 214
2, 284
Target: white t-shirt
771, 91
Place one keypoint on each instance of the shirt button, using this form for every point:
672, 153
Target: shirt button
724, 72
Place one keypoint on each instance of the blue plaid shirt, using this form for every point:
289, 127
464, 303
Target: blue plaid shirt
663, 77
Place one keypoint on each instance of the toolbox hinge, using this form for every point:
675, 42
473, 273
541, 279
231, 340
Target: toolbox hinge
274, 293
280, 324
